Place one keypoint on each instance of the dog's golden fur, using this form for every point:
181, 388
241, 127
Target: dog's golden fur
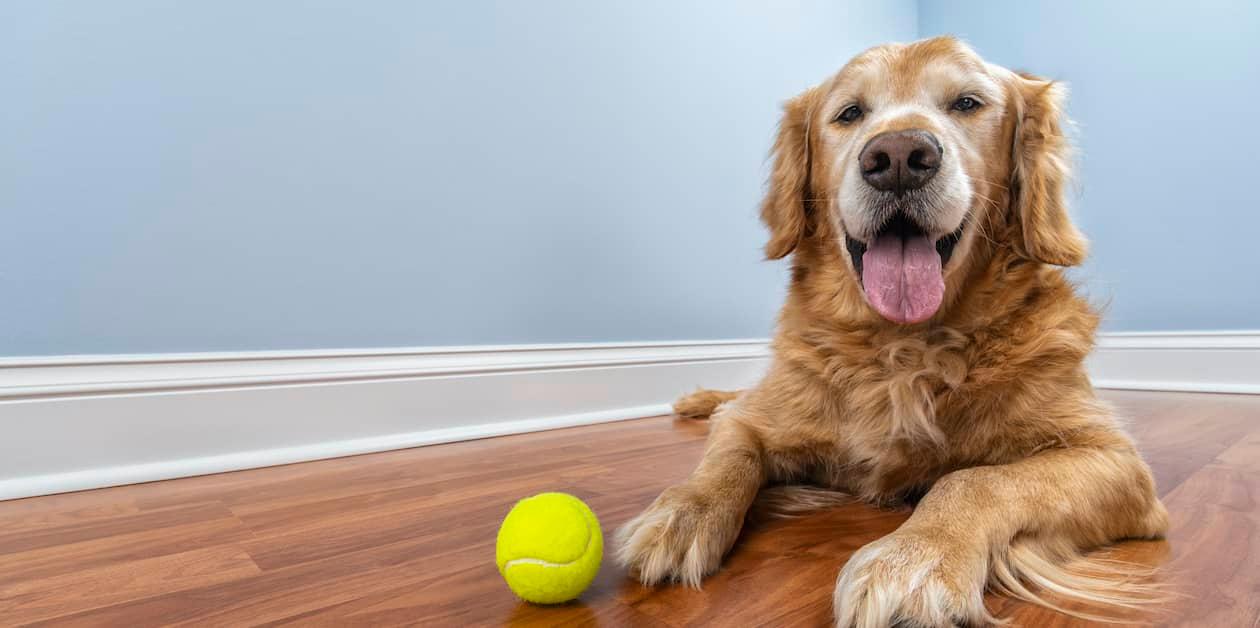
985, 410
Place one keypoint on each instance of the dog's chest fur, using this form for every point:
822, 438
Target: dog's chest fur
906, 409
901, 422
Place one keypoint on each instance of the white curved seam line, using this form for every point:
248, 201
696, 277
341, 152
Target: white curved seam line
533, 561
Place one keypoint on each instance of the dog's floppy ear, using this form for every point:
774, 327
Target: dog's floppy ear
784, 208
1040, 163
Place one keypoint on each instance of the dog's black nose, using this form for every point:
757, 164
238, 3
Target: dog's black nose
897, 161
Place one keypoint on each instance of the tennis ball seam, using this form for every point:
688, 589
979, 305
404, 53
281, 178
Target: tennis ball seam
534, 561
544, 563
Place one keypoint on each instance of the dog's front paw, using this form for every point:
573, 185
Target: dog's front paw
910, 579
681, 537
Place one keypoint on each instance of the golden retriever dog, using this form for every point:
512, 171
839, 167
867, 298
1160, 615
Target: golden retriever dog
930, 347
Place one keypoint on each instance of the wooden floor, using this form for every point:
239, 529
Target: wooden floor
407, 537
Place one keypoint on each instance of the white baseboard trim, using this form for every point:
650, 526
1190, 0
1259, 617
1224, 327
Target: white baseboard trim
135, 473
1217, 362
81, 422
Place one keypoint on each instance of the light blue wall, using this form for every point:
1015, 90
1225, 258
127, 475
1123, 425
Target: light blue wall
244, 175
1165, 95
186, 176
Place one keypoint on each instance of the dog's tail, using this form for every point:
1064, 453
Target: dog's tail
702, 403
1092, 587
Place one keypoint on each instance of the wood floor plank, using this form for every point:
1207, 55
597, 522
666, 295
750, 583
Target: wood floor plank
1215, 516
1180, 433
399, 502
85, 529
44, 598
406, 537
20, 521
172, 537
278, 594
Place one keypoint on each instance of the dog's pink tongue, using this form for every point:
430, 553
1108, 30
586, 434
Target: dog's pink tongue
902, 278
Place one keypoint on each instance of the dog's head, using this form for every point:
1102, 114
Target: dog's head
901, 160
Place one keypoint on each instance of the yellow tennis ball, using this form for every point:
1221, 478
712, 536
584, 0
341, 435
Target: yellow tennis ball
549, 548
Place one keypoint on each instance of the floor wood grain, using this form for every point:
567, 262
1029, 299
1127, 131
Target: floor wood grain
406, 537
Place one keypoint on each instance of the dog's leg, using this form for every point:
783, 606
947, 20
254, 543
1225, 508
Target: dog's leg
703, 403
683, 535
932, 570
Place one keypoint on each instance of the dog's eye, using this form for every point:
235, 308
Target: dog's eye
850, 113
966, 103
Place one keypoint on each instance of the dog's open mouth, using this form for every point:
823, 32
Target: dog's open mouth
902, 269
